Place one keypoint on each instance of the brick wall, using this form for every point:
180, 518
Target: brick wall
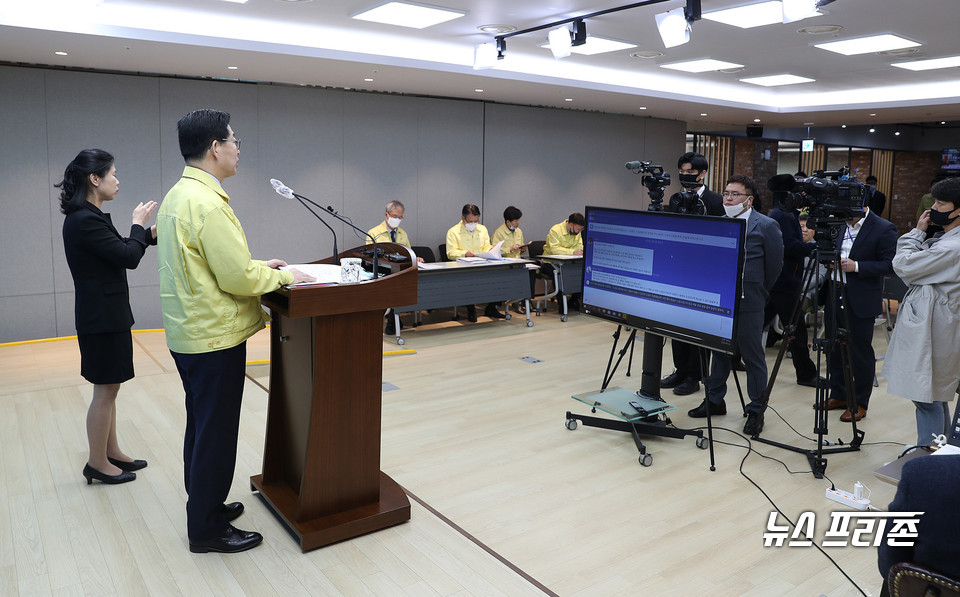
748, 158
912, 173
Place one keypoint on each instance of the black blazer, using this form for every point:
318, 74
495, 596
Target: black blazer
873, 250
877, 202
794, 250
99, 259
712, 201
928, 484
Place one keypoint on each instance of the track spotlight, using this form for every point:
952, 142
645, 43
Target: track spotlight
560, 42
675, 25
485, 56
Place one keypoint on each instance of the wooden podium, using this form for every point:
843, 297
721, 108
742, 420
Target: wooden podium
321, 458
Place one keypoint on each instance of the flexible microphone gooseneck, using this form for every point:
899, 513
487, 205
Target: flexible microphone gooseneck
285, 191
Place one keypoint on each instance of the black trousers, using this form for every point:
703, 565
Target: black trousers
213, 384
781, 303
863, 361
686, 360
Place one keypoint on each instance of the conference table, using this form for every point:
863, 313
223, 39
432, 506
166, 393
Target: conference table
569, 278
451, 283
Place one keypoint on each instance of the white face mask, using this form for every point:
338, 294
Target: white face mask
735, 210
393, 222
471, 226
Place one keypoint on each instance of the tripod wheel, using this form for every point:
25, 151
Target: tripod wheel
702, 443
646, 459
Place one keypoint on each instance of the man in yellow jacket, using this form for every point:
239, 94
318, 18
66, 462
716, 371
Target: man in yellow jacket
509, 232
389, 231
210, 291
466, 239
565, 239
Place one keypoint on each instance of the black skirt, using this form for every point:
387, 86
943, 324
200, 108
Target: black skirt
106, 358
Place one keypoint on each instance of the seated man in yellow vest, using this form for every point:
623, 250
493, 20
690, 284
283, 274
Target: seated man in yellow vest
565, 239
513, 246
389, 230
467, 238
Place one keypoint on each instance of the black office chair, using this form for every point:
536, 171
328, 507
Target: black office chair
894, 289
908, 579
425, 253
443, 252
547, 273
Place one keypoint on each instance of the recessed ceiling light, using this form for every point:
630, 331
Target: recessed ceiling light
642, 108
900, 52
479, 90
236, 1
569, 99
408, 14
232, 67
872, 130
756, 120
930, 64
646, 54
820, 29
776, 80
60, 53
368, 80
730, 71
943, 122
703, 114
701, 66
497, 29
752, 15
873, 113
809, 123
843, 126
896, 133
865, 45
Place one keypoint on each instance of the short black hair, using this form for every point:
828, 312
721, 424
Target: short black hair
76, 177
199, 129
577, 218
871, 178
697, 161
747, 183
948, 191
512, 213
470, 210
804, 216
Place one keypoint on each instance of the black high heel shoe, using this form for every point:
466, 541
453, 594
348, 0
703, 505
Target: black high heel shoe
91, 473
128, 466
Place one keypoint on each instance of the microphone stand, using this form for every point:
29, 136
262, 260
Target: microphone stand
336, 254
301, 198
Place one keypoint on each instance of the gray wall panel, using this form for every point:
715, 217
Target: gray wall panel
353, 151
30, 317
450, 168
26, 188
301, 144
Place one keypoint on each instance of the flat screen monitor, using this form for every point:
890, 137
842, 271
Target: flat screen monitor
950, 159
674, 275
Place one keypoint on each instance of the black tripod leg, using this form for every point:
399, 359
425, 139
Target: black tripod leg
736, 381
704, 371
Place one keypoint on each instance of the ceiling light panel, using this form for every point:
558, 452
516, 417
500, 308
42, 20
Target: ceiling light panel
745, 17
776, 80
600, 45
408, 14
930, 64
700, 66
865, 45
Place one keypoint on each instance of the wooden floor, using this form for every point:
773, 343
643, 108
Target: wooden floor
507, 501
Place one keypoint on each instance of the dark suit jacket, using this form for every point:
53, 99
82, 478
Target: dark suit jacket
794, 250
99, 259
929, 484
712, 201
877, 202
763, 260
873, 250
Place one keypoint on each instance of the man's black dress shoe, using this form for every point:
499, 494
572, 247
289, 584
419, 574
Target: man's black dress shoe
472, 314
754, 424
812, 382
671, 381
689, 386
701, 411
232, 511
91, 473
134, 465
233, 541
491, 311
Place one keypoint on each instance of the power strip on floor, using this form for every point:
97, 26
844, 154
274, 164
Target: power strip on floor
846, 498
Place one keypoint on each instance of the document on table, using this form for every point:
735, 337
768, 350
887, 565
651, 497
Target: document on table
492, 255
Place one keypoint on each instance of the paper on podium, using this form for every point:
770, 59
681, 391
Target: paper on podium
324, 273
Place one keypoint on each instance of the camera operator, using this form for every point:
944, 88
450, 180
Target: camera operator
762, 264
786, 291
866, 245
695, 198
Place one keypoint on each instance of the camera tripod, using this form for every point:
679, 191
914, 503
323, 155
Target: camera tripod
834, 338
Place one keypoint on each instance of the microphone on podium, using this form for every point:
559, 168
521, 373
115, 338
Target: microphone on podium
285, 191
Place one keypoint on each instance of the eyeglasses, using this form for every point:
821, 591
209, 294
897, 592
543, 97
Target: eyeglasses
234, 141
736, 194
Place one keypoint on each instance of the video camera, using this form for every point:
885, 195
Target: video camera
655, 179
831, 199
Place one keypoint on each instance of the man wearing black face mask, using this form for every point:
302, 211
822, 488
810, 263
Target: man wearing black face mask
686, 376
876, 200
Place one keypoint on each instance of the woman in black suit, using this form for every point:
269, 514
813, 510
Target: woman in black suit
99, 258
